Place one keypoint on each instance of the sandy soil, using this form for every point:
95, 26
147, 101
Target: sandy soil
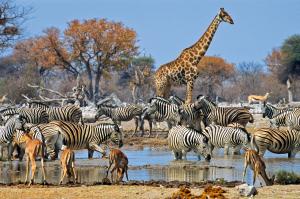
142, 192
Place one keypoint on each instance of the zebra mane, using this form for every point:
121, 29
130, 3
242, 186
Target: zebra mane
39, 103
175, 99
160, 99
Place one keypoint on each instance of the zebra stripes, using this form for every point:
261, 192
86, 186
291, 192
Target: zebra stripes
32, 115
191, 115
271, 111
223, 115
75, 136
293, 119
276, 141
227, 137
182, 139
279, 119
6, 133
169, 112
68, 113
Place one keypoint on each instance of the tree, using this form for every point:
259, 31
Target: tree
214, 71
11, 19
285, 63
93, 47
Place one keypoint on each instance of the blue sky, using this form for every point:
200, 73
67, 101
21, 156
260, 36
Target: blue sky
165, 27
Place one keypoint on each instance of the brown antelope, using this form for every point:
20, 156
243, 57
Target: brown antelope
34, 148
67, 160
120, 161
257, 165
258, 98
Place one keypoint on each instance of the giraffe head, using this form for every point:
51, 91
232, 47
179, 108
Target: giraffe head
224, 16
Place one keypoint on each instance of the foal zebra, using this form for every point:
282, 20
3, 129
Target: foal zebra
60, 134
32, 115
226, 137
182, 140
276, 141
68, 113
223, 115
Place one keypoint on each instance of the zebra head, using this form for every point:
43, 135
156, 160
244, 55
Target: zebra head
19, 121
203, 148
102, 110
116, 136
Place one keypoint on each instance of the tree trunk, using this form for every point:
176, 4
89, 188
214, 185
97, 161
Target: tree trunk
97, 82
90, 85
289, 89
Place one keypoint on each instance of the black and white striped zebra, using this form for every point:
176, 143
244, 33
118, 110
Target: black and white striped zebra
223, 115
182, 140
227, 137
68, 113
293, 119
169, 112
276, 141
60, 134
123, 113
279, 120
32, 115
7, 132
191, 115
271, 111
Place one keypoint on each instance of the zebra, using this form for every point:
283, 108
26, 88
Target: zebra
293, 119
68, 113
169, 112
118, 114
223, 115
31, 115
279, 119
226, 137
277, 141
271, 111
61, 134
191, 115
182, 140
7, 132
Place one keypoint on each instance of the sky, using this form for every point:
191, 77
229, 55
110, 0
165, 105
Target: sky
166, 27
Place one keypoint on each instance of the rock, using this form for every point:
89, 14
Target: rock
246, 190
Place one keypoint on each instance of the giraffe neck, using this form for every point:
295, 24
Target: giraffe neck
197, 51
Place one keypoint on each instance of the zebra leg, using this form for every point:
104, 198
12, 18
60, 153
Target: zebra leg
236, 150
183, 154
1, 152
90, 153
150, 128
136, 122
175, 155
226, 150
292, 154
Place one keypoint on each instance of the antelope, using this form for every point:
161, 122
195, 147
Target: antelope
258, 98
34, 148
67, 160
258, 166
120, 161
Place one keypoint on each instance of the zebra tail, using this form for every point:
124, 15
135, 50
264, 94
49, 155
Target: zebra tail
253, 144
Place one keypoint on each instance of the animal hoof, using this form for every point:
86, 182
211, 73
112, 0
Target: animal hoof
45, 182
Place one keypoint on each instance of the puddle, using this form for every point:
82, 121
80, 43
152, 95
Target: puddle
151, 164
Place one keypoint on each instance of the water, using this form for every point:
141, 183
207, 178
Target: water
150, 164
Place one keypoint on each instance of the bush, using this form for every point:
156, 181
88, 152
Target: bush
285, 177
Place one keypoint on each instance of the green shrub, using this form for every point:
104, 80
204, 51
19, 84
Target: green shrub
285, 177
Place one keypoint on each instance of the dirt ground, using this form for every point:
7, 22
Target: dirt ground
141, 192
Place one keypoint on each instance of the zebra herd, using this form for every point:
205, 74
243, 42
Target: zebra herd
200, 127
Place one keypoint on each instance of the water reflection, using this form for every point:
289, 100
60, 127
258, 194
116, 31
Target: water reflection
162, 167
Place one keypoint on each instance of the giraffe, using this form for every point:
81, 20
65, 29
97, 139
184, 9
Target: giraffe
183, 70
